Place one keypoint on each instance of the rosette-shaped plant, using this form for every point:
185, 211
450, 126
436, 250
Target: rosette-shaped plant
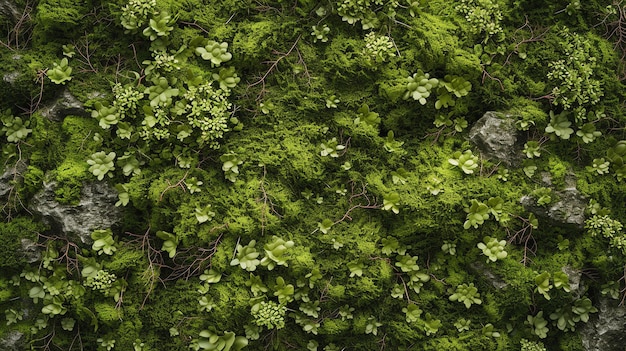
493, 248
101, 164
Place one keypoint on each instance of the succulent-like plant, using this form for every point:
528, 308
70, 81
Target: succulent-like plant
103, 242
246, 257
477, 213
320, 33
60, 73
467, 294
419, 86
227, 78
559, 125
493, 248
466, 161
275, 252
14, 128
101, 164
215, 52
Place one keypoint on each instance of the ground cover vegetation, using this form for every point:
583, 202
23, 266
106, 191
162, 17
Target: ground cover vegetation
297, 175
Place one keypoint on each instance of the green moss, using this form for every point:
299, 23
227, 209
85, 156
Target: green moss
12, 256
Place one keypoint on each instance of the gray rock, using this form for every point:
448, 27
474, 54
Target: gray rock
66, 104
495, 135
576, 285
568, 211
605, 330
95, 210
30, 250
9, 9
13, 340
483, 270
10, 176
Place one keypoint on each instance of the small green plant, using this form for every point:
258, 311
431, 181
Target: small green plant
170, 242
158, 26
543, 284
204, 214
269, 314
101, 164
331, 148
462, 324
477, 213
531, 346
275, 252
364, 115
213, 341
227, 78
246, 257
412, 313
230, 166
215, 52
419, 86
588, 133
392, 145
599, 166
532, 149
431, 325
378, 48
493, 248
103, 242
467, 294
101, 281
60, 73
466, 161
356, 268
559, 125
372, 325
489, 331
449, 86
538, 325
14, 128
107, 344
391, 202
320, 33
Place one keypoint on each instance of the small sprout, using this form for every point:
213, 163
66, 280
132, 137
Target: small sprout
559, 125
331, 147
466, 161
467, 294
493, 249
320, 33
101, 164
532, 149
391, 202
60, 73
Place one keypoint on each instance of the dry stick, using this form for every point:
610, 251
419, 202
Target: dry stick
274, 65
367, 204
532, 38
180, 183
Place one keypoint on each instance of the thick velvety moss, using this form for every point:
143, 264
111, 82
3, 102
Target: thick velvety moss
13, 233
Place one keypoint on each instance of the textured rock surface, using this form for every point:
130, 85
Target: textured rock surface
66, 104
568, 211
9, 9
12, 341
482, 269
496, 137
606, 330
11, 174
95, 210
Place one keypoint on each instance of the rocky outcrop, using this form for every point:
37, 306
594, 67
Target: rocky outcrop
66, 104
95, 210
12, 341
605, 330
10, 176
495, 135
567, 211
